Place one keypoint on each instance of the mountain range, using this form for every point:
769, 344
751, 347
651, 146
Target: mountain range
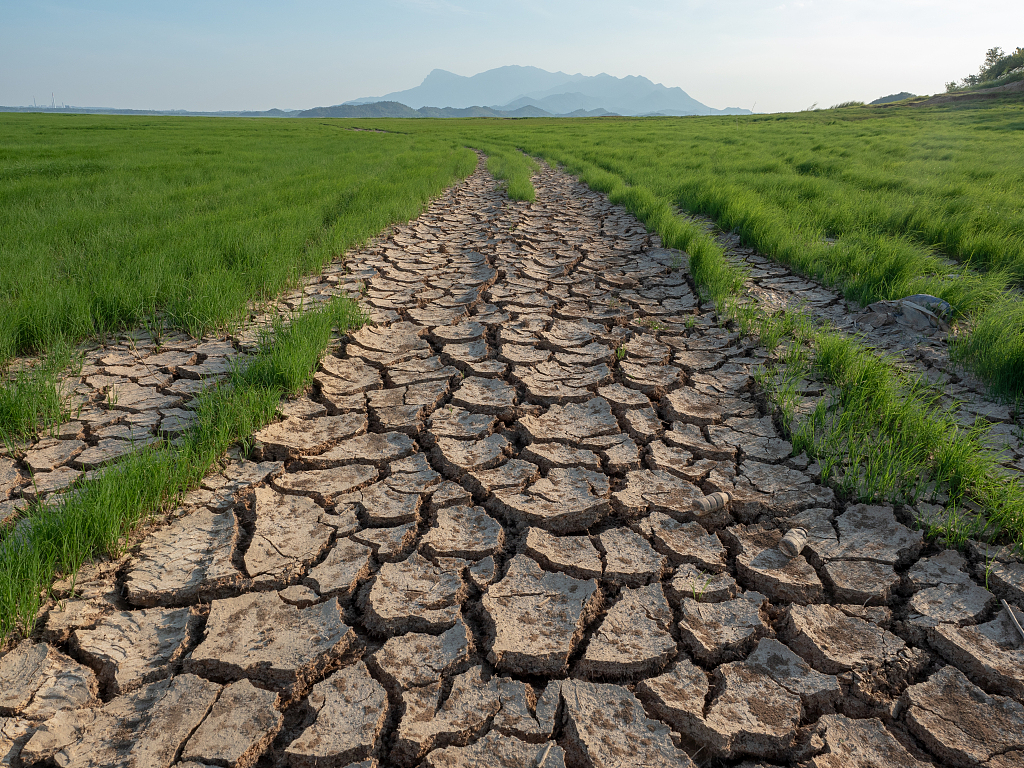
510, 89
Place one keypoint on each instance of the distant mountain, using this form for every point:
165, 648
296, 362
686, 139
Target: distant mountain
507, 89
395, 109
892, 98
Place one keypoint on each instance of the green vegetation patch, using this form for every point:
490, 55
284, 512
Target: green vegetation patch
106, 222
97, 515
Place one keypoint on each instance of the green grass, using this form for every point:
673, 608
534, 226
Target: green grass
99, 514
874, 202
882, 434
106, 222
34, 396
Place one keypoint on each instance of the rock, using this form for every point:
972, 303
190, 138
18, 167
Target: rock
684, 542
514, 474
818, 692
413, 596
648, 491
346, 566
832, 642
760, 565
689, 406
301, 408
991, 653
389, 545
14, 734
620, 454
466, 532
456, 457
621, 399
429, 725
448, 494
188, 561
652, 380
566, 501
861, 581
374, 448
713, 632
147, 727
50, 454
515, 718
459, 424
416, 660
1005, 579
349, 710
843, 742
956, 604
768, 488
872, 533
498, 751
689, 581
536, 618
291, 438
556, 382
574, 556
947, 567
750, 715
290, 533
629, 559
635, 638
239, 728
325, 485
677, 696
959, 723
299, 596
549, 456
570, 423
492, 397
606, 727
37, 681
272, 643
669, 459
131, 648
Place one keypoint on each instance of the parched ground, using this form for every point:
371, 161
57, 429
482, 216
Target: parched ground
486, 539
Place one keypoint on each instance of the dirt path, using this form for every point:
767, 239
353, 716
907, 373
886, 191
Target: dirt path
485, 541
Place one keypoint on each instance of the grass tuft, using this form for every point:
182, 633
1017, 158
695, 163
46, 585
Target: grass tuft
96, 516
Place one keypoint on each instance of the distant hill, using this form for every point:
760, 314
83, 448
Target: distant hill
509, 89
892, 98
395, 109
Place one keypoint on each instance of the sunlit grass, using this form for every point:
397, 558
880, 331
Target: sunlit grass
98, 514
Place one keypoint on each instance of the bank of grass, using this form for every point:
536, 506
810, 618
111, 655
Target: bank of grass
34, 396
874, 202
107, 221
881, 434
98, 514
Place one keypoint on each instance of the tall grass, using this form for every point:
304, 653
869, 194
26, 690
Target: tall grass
35, 398
95, 517
105, 221
873, 202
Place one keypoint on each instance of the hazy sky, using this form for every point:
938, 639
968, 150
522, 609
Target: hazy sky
258, 54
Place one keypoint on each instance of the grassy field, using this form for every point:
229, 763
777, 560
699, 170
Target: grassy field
107, 222
879, 202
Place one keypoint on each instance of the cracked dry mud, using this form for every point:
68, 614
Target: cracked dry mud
476, 543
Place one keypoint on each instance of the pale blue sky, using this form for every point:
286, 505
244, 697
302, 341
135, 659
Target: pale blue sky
210, 55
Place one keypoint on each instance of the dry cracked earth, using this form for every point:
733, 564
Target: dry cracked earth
480, 542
